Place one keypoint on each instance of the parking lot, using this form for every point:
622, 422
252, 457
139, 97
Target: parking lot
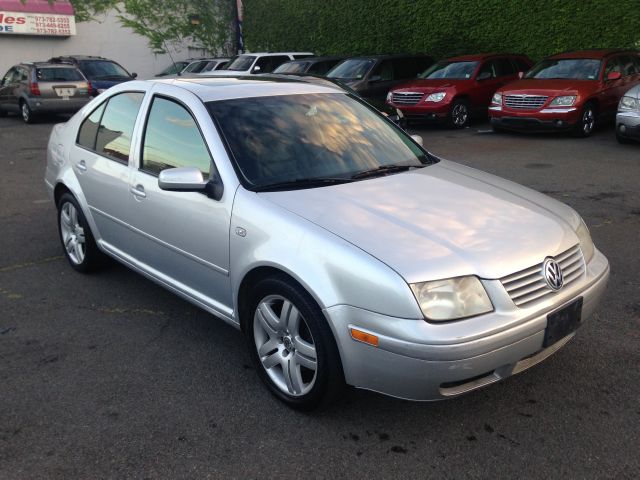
111, 376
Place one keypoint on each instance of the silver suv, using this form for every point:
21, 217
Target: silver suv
30, 89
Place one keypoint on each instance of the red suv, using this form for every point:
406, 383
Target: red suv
455, 89
569, 91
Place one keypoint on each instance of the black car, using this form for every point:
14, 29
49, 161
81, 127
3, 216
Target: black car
101, 72
311, 65
372, 76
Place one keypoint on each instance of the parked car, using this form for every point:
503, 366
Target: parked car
457, 89
628, 117
252, 63
311, 65
342, 249
570, 91
373, 76
31, 89
174, 68
101, 72
212, 65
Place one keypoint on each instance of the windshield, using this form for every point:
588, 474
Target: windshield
103, 70
293, 138
58, 75
452, 70
351, 69
292, 67
569, 68
243, 62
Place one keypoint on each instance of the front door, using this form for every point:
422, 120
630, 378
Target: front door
182, 238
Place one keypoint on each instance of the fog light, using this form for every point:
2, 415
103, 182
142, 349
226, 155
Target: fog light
622, 128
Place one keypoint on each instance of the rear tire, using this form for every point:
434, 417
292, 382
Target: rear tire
622, 140
291, 344
26, 113
75, 235
587, 122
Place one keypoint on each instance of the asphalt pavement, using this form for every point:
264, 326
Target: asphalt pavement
110, 376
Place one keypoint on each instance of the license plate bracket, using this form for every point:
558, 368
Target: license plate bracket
562, 322
65, 92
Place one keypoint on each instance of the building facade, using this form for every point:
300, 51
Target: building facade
37, 30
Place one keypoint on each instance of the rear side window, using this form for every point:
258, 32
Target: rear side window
116, 127
89, 129
172, 139
58, 75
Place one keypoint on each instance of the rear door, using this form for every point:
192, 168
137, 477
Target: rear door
100, 159
182, 238
61, 83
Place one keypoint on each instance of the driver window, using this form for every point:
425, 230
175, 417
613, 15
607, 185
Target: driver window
613, 65
487, 67
385, 70
172, 139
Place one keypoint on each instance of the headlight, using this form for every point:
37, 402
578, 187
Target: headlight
389, 97
629, 104
497, 99
586, 244
564, 101
452, 298
436, 97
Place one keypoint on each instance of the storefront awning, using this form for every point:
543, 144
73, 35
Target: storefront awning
59, 7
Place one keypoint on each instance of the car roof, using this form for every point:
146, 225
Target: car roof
210, 89
390, 56
595, 53
315, 59
269, 54
478, 57
48, 65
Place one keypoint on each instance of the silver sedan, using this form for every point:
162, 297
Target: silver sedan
344, 251
628, 116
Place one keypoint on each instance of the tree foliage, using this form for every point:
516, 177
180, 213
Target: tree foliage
440, 27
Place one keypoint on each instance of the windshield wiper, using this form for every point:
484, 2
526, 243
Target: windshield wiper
300, 183
384, 170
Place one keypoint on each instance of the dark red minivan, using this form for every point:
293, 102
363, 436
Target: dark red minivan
569, 91
456, 89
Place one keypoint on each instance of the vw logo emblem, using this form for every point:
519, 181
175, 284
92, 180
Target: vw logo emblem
552, 273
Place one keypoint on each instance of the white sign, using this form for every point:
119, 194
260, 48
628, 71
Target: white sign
37, 24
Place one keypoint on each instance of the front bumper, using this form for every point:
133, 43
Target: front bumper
628, 124
427, 112
546, 119
417, 360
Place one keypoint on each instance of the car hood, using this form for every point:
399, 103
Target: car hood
549, 87
441, 221
431, 85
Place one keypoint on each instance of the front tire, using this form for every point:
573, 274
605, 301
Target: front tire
459, 114
587, 122
75, 235
291, 345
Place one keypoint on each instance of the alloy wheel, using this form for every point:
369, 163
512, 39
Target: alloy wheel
460, 115
285, 346
588, 121
72, 233
26, 112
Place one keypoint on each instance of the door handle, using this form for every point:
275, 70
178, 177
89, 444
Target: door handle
82, 166
138, 191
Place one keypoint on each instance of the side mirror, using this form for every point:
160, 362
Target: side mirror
375, 78
256, 69
183, 179
418, 140
614, 76
134, 75
483, 76
520, 74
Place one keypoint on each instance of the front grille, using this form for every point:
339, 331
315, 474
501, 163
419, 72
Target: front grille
406, 98
528, 286
525, 102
